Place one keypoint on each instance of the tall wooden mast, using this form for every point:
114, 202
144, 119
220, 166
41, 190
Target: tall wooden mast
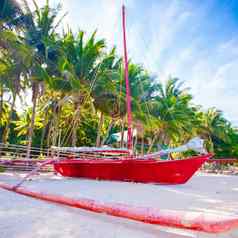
128, 95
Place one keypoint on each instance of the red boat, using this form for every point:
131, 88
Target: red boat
136, 170
128, 167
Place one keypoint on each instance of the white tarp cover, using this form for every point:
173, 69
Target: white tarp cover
117, 136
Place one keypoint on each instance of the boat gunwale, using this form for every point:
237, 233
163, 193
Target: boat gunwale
125, 160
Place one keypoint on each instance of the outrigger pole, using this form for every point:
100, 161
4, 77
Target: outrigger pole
128, 95
197, 221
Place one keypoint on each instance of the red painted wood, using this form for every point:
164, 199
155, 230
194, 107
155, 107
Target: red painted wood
176, 219
145, 171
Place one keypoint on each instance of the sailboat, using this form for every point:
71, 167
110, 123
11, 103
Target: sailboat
124, 165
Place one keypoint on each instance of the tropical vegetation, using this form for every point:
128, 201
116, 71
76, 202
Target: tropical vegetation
77, 93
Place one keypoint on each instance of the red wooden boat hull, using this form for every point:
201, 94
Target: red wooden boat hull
135, 170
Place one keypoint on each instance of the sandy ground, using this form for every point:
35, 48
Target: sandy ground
24, 217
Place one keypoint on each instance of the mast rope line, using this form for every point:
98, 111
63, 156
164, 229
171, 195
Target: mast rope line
142, 89
146, 103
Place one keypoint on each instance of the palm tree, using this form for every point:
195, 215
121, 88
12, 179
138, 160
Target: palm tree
22, 124
143, 90
39, 34
172, 107
14, 61
11, 14
50, 105
84, 57
5, 108
214, 127
104, 91
3, 89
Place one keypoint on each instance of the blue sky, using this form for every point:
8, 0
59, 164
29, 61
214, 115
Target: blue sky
194, 40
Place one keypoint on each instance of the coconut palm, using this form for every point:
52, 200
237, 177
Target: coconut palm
11, 14
214, 127
12, 81
104, 91
22, 124
143, 90
79, 88
17, 60
84, 57
14, 61
3, 88
39, 34
172, 106
4, 118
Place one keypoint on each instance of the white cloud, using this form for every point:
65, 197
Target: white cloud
210, 70
230, 46
104, 15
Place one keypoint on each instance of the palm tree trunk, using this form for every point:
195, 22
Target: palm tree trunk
1, 100
152, 143
7, 128
101, 119
1, 107
43, 136
135, 144
59, 141
122, 133
142, 145
211, 143
108, 131
56, 115
48, 142
74, 135
50, 129
31, 128
75, 125
45, 131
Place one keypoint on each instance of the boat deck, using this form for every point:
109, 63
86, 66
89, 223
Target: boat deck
27, 217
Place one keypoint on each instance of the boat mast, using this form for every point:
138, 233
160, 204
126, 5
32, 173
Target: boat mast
128, 96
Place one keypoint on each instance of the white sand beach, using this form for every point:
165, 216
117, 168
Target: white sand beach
24, 217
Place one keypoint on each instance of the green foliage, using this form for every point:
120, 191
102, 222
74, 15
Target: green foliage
226, 148
2, 169
22, 124
87, 131
4, 114
75, 82
10, 13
